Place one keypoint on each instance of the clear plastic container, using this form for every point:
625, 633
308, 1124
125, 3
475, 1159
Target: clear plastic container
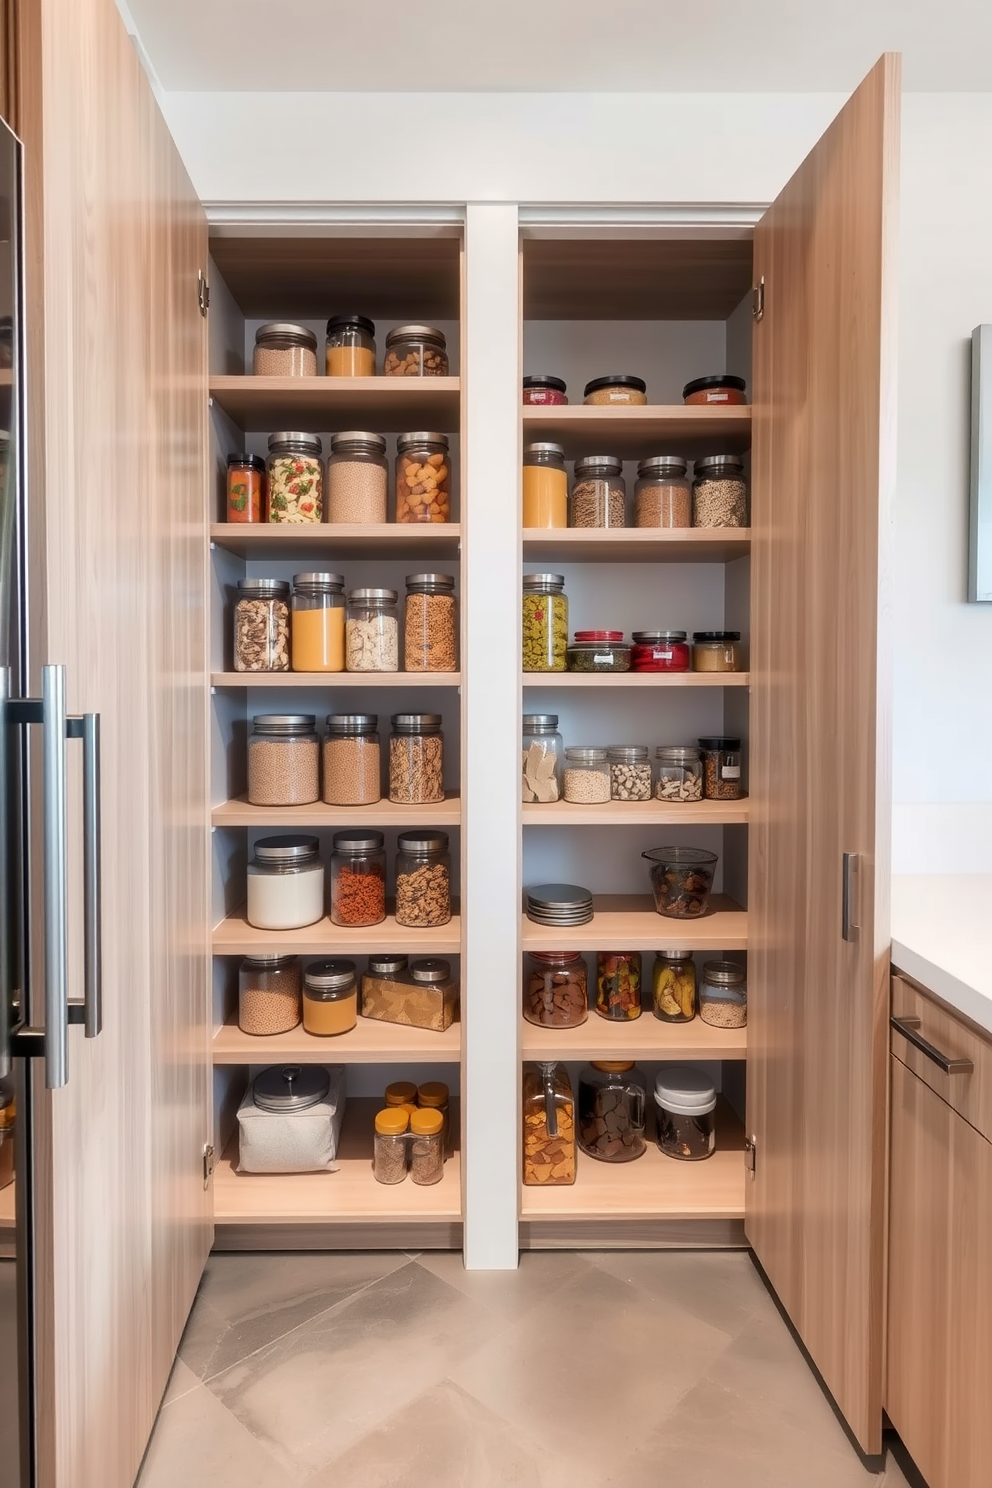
430, 642
599, 651
351, 760
416, 759
673, 986
372, 631
283, 760
544, 391
318, 622
719, 492
612, 1111
390, 1143
548, 1126
599, 494
660, 651
681, 878
545, 486
423, 879
556, 989
269, 994
330, 998
350, 346
543, 753
358, 878
416, 351
295, 475
630, 773
423, 478
616, 389
685, 1102
261, 626
285, 883
357, 479
245, 488
283, 349
723, 994
545, 623
662, 494
587, 775
678, 774
715, 651
721, 759
618, 985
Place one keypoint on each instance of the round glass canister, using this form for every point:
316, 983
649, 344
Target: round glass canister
715, 650
546, 391
416, 759
662, 495
423, 478
317, 640
295, 478
423, 879
678, 774
416, 351
618, 985
351, 760
545, 486
285, 883
358, 878
390, 1145
430, 641
723, 994
357, 479
245, 488
616, 389
556, 990
543, 752
283, 760
611, 1110
330, 998
587, 775
659, 651
372, 631
269, 994
283, 349
599, 651
721, 769
673, 986
725, 389
630, 773
719, 492
350, 346
545, 623
685, 1101
261, 626
599, 495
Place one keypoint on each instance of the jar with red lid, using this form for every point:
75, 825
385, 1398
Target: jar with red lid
660, 651
599, 651
720, 390
545, 391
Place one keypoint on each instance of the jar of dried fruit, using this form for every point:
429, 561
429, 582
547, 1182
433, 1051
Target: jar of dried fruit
556, 992
431, 630
283, 760
548, 1125
261, 626
357, 479
350, 347
416, 351
719, 492
599, 495
673, 990
358, 878
543, 752
351, 760
295, 478
618, 984
416, 759
611, 1110
283, 349
245, 488
545, 623
269, 994
423, 478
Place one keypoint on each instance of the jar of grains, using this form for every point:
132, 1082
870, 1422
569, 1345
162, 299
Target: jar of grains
269, 994
678, 774
423, 478
662, 496
599, 495
545, 486
611, 1110
587, 775
725, 389
416, 351
358, 878
616, 389
330, 998
350, 347
545, 623
427, 1133
674, 986
357, 479
660, 651
542, 758
318, 622
544, 391
284, 350
285, 883
723, 994
351, 760
261, 626
599, 651
549, 1125
556, 991
721, 769
390, 1144
295, 478
715, 650
618, 984
423, 879
283, 760
372, 632
719, 492
245, 488
630, 773
686, 1105
416, 759
431, 631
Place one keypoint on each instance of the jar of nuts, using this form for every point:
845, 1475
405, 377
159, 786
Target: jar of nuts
283, 760
556, 990
350, 346
416, 351
599, 496
630, 773
295, 478
269, 994
423, 879
431, 641
416, 759
679, 774
261, 626
351, 760
719, 492
357, 479
423, 478
284, 350
358, 878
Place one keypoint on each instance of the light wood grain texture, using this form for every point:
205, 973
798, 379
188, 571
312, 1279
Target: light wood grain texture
635, 544
646, 1037
640, 430
650, 1233
369, 1042
822, 483
384, 814
939, 1377
336, 679
8, 1225
271, 540
629, 922
235, 937
968, 1094
383, 404
643, 277
635, 814
643, 680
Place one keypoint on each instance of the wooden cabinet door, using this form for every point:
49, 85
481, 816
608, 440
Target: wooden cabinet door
823, 466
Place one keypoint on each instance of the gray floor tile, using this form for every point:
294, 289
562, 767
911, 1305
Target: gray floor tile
720, 1287
199, 1444
181, 1381
511, 1294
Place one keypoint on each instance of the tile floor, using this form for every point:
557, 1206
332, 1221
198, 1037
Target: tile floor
603, 1370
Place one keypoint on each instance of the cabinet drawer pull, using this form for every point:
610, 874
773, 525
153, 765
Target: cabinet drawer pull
908, 1028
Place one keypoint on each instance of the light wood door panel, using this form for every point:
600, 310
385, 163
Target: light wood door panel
823, 464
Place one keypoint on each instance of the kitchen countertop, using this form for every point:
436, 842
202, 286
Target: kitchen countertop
942, 938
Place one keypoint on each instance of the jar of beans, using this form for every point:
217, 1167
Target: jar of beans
358, 878
719, 492
283, 760
423, 879
678, 774
721, 769
630, 773
587, 775
662, 497
618, 984
616, 390
284, 350
261, 626
295, 478
357, 479
715, 650
431, 630
350, 346
423, 478
351, 760
556, 992
599, 496
318, 622
659, 651
372, 632
416, 759
542, 390
545, 623
416, 351
245, 488
723, 994
269, 994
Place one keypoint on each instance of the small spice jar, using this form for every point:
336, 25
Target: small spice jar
245, 488
719, 492
544, 391
283, 760
545, 486
295, 474
430, 641
725, 389
350, 346
357, 479
630, 773
685, 1099
372, 631
351, 760
261, 626
659, 651
618, 984
401, 1093
556, 991
285, 884
389, 1145
545, 623
416, 759
423, 478
548, 1125
423, 879
723, 994
662, 496
330, 998
543, 751
283, 349
416, 351
611, 1111
427, 1133
269, 994
358, 878
616, 390
678, 774
673, 986
318, 622
599, 651
721, 758
715, 650
434, 1095
587, 775
599, 495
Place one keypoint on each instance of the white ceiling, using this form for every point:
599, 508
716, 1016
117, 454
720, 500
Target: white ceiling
560, 45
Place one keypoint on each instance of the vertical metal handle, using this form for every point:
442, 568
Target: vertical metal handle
92, 876
850, 929
56, 874
6, 956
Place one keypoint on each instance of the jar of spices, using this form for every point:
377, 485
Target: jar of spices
719, 492
423, 879
556, 992
423, 478
358, 878
285, 884
351, 760
269, 994
357, 479
283, 349
261, 626
544, 391
599, 651
662, 496
723, 994
545, 623
630, 773
543, 751
434, 1095
416, 759
673, 991
283, 760
679, 774
545, 486
245, 488
715, 650
431, 631
318, 622
611, 1110
719, 390
295, 479
599, 495
587, 775
618, 984
372, 631
350, 346
548, 1125
616, 390
659, 651
401, 1093
389, 1145
330, 998
685, 1099
721, 769
416, 351
427, 1147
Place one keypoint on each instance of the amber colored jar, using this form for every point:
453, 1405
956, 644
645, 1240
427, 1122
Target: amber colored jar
350, 346
245, 488
715, 650
401, 1093
718, 390
330, 998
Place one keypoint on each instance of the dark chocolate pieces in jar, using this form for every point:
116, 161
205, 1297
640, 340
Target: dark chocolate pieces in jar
611, 1111
556, 989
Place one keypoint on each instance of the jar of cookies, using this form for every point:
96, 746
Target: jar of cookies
548, 1125
612, 1099
556, 991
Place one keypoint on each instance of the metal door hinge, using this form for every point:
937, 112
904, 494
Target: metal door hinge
209, 1162
758, 299
203, 292
751, 1154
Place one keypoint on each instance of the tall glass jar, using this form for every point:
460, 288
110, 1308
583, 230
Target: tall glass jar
245, 488
630, 773
269, 994
719, 492
423, 478
611, 1110
548, 1125
599, 495
357, 479
543, 753
662, 495
723, 994
318, 622
350, 346
283, 349
283, 760
423, 879
545, 486
330, 998
285, 883
295, 479
358, 878
556, 990
389, 1152
261, 626
545, 623
372, 633
431, 630
678, 774
416, 759
673, 986
416, 351
721, 758
618, 984
427, 1138
351, 760
587, 775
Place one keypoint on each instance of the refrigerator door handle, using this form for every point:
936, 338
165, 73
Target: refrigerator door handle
56, 874
90, 1014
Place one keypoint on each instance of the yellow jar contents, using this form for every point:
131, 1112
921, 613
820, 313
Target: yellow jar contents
317, 640
350, 361
328, 1017
545, 496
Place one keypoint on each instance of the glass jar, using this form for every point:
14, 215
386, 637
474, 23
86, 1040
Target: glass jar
616, 390
261, 626
556, 990
416, 759
269, 994
719, 492
544, 391
721, 769
678, 774
587, 775
358, 878
416, 351
423, 478
285, 884
283, 760
424, 997
545, 486
660, 651
543, 750
599, 651
390, 1144
318, 622
384, 983
715, 650
548, 1125
662, 495
401, 1093
372, 632
423, 879
295, 479
245, 488
630, 773
434, 1095
351, 760
330, 998
545, 623
350, 346
430, 641
685, 1101
618, 985
427, 1134
283, 349
681, 878
673, 986
599, 495
723, 994
720, 390
357, 479
611, 1110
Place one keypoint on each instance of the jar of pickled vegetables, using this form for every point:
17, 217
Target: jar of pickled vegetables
296, 478
618, 984
673, 989
545, 623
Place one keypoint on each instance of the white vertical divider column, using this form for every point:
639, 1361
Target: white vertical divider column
491, 565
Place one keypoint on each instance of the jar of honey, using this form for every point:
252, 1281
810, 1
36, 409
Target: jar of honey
330, 998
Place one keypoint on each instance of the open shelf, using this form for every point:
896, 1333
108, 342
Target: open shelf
646, 1037
336, 679
384, 814
235, 937
634, 814
369, 1042
635, 679
636, 432
418, 541
629, 922
383, 404
635, 544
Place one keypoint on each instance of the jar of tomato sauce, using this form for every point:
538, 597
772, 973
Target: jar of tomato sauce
660, 651
245, 488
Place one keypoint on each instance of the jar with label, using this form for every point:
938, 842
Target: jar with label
283, 760
416, 759
285, 884
357, 479
427, 1134
431, 632
351, 760
659, 651
599, 495
548, 1125
350, 346
545, 486
434, 1095
723, 994
678, 774
556, 990
372, 632
295, 479
545, 623
318, 622
389, 1150
330, 998
618, 985
283, 349
423, 879
612, 1110
261, 626
269, 994
416, 351
542, 390
616, 390
715, 650
599, 651
721, 769
358, 878
673, 986
630, 773
543, 752
662, 495
245, 488
719, 492
587, 775
423, 478
685, 1102
723, 390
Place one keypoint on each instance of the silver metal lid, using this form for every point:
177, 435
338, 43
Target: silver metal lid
589, 754
718, 464
724, 973
269, 588
673, 955
379, 596
286, 849
352, 723
284, 724
540, 723
628, 754
290, 1087
270, 963
611, 464
656, 637
544, 581
421, 842
421, 436
319, 581
387, 965
415, 333
544, 448
358, 439
677, 754
431, 970
285, 330
309, 443
430, 583
357, 842
330, 977
663, 465
562, 896
416, 723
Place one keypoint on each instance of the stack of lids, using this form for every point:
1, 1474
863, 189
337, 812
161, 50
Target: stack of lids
559, 904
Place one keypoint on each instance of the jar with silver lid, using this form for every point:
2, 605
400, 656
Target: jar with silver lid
662, 495
431, 632
358, 878
630, 773
261, 626
357, 479
283, 349
423, 477
423, 879
330, 998
350, 346
587, 775
542, 755
295, 478
372, 631
285, 883
679, 774
719, 492
723, 994
269, 995
283, 760
416, 351
416, 759
545, 623
351, 760
599, 496
318, 622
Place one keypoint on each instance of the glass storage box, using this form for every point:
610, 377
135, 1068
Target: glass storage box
673, 986
283, 760
330, 998
599, 495
351, 760
283, 349
423, 478
599, 651
545, 623
318, 622
659, 651
548, 1125
261, 626
358, 878
427, 1135
587, 775
416, 351
723, 994
544, 390
372, 631
416, 759
423, 879
245, 488
719, 390
616, 389
556, 992
662, 494
612, 1111
423, 995
678, 774
357, 479
618, 984
685, 1101
715, 650
545, 486
430, 641
541, 760
285, 883
390, 1142
269, 994
350, 346
721, 757
295, 479
681, 878
630, 773
719, 492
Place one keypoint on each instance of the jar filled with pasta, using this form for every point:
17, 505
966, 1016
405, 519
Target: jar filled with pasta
545, 623
295, 478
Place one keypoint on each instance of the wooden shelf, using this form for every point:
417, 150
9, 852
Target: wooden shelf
635, 545
235, 937
369, 1042
382, 404
336, 680
634, 433
384, 814
420, 542
636, 679
646, 1037
629, 922
634, 814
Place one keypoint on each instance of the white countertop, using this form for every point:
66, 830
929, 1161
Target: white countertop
942, 938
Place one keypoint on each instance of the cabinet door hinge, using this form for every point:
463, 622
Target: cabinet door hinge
751, 1154
203, 292
758, 299
208, 1163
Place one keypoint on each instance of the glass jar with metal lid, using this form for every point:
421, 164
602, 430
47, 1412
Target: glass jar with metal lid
685, 1099
599, 651
351, 760
358, 878
660, 651
723, 994
611, 1110
542, 755
630, 772
545, 623
295, 478
721, 758
283, 760
357, 479
269, 994
416, 351
616, 389
678, 774
285, 883
330, 998
545, 486
673, 989
261, 626
283, 349
423, 879
416, 759
720, 390
719, 492
556, 989
245, 488
287, 1088
318, 622
715, 650
587, 775
546, 391
618, 985
385, 982
425, 996
350, 346
372, 631
423, 477
431, 631
662, 495
599, 495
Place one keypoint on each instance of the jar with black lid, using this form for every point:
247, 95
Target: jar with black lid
715, 390
660, 651
715, 650
721, 768
416, 351
616, 390
350, 348
543, 390
295, 478
283, 349
245, 488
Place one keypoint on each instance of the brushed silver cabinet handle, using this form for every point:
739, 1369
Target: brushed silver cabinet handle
851, 879
87, 728
56, 875
907, 1027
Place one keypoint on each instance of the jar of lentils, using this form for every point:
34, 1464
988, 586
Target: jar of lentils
423, 478
719, 492
357, 479
556, 992
715, 650
630, 773
261, 626
270, 997
416, 351
372, 631
662, 497
416, 760
358, 878
350, 347
545, 623
284, 350
599, 496
351, 760
283, 760
295, 478
587, 775
431, 630
678, 774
